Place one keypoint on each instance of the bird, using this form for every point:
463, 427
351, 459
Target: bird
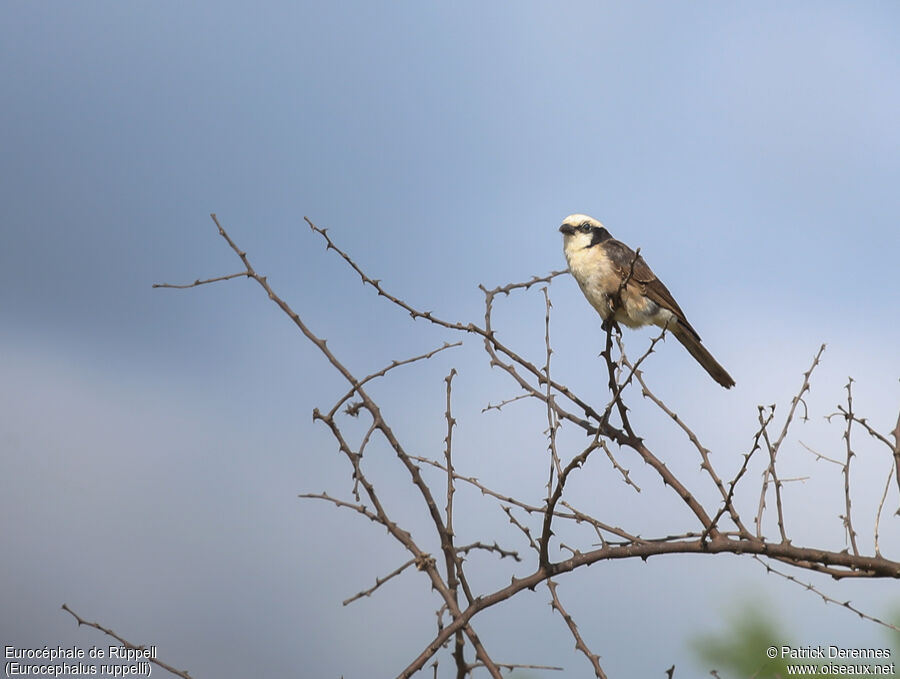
623, 289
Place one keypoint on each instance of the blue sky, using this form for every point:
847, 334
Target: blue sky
153, 442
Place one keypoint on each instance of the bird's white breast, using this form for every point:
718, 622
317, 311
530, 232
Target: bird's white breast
591, 269
599, 280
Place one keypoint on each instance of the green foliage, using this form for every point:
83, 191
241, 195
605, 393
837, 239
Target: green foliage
739, 651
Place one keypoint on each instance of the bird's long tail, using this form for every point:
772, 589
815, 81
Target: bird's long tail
692, 343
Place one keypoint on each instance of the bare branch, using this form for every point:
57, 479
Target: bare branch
465, 549
379, 582
771, 472
127, 644
573, 628
896, 435
505, 402
705, 465
492, 343
552, 420
386, 369
198, 282
343, 503
827, 599
729, 499
445, 570
798, 398
629, 438
819, 455
776, 446
887, 486
848, 522
525, 531
448, 441
546, 532
626, 474
893, 447
455, 575
511, 667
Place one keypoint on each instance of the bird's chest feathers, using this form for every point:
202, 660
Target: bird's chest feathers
595, 275
601, 282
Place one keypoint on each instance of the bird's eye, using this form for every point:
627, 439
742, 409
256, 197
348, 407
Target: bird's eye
584, 228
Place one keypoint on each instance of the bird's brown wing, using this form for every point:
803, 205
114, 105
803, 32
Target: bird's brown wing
628, 263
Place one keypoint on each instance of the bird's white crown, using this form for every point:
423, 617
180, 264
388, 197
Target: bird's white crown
579, 219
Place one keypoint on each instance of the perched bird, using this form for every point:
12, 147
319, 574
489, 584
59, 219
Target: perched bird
620, 286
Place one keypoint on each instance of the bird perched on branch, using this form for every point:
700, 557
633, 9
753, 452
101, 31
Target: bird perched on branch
622, 288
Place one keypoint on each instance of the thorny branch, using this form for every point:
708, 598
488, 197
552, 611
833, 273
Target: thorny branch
896, 435
824, 597
379, 582
849, 416
127, 644
580, 644
563, 407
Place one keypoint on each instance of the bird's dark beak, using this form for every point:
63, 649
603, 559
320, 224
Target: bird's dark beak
567, 229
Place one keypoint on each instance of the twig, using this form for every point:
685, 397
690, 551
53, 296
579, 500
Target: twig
893, 447
848, 522
465, 549
552, 420
896, 435
379, 582
573, 628
546, 531
206, 281
516, 666
629, 438
633, 371
728, 505
626, 474
770, 472
343, 503
124, 642
887, 485
599, 526
706, 464
399, 534
492, 343
525, 531
774, 448
454, 567
448, 447
827, 599
356, 459
505, 402
386, 369
819, 455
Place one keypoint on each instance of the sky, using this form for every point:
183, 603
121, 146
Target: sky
153, 442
